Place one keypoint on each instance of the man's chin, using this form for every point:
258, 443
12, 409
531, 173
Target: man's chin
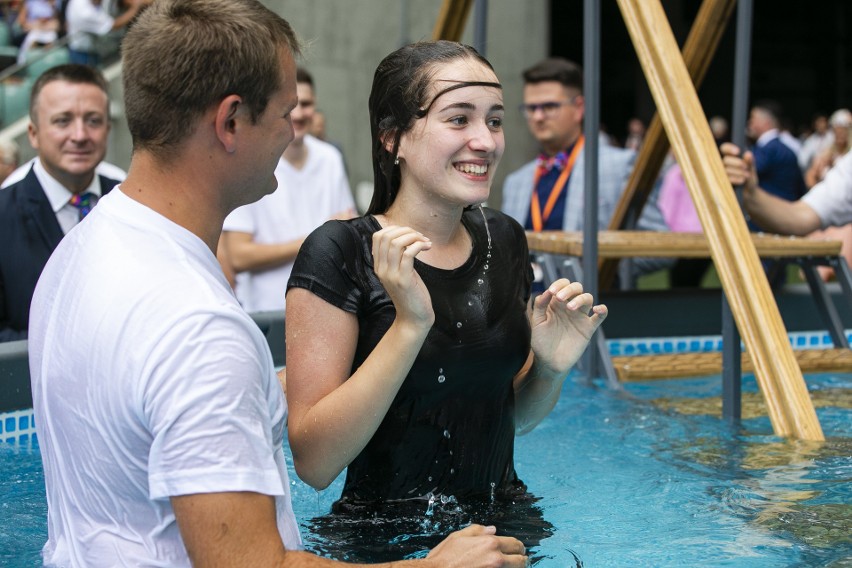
79, 167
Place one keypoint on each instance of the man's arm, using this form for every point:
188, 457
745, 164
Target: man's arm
768, 211
239, 529
245, 254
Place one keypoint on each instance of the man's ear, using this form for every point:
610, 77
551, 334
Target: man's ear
31, 134
229, 112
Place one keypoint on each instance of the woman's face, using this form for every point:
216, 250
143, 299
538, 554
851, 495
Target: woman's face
452, 153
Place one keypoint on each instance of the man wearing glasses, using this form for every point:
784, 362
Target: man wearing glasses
547, 193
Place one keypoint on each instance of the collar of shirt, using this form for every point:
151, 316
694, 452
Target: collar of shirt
767, 137
56, 193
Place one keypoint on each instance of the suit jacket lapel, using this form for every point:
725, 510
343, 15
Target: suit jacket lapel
39, 218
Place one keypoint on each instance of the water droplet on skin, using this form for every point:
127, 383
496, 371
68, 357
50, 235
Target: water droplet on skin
469, 302
441, 378
447, 434
452, 471
458, 324
480, 281
430, 478
485, 267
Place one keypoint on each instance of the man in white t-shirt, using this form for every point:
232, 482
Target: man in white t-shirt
261, 239
160, 418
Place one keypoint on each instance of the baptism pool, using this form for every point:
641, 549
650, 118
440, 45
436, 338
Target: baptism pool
647, 476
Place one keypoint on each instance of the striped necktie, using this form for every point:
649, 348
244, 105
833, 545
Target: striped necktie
83, 202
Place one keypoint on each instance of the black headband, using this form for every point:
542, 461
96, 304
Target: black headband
424, 111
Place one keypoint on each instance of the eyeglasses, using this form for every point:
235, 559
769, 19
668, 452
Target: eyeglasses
549, 108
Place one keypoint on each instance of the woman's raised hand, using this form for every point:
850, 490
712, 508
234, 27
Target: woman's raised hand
563, 320
394, 249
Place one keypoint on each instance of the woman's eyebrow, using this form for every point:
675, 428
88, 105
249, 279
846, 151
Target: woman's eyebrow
469, 106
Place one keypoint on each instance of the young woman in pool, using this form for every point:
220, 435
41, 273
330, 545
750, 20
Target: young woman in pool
412, 356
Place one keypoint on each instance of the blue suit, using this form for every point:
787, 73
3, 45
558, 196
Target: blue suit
29, 232
614, 168
778, 171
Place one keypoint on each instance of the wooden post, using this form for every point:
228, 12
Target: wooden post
451, 20
698, 52
743, 280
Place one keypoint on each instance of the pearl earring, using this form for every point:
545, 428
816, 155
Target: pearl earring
396, 161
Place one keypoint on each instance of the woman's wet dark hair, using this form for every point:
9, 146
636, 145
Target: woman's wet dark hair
398, 98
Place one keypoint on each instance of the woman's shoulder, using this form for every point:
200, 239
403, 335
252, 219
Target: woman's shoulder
344, 230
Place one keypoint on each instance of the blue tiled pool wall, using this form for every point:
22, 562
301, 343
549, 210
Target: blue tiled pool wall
18, 427
708, 343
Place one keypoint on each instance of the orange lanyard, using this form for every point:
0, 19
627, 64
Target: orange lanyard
538, 217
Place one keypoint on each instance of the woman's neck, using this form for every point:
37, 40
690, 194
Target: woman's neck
441, 223
451, 243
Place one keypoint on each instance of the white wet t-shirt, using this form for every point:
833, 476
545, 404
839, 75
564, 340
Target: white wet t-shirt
149, 381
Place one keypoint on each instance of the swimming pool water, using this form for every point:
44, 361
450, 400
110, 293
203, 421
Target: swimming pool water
625, 478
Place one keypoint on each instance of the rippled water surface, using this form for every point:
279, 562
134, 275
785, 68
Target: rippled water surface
644, 477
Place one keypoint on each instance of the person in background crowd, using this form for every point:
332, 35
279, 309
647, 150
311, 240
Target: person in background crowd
69, 125
86, 20
262, 238
776, 163
10, 155
635, 134
547, 193
817, 141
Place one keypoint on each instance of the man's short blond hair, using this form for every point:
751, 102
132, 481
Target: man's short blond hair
181, 57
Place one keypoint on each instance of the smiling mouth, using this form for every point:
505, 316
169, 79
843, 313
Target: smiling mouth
474, 169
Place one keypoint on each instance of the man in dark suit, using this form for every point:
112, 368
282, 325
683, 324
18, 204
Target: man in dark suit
776, 161
69, 125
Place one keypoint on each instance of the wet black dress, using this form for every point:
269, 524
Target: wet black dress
450, 429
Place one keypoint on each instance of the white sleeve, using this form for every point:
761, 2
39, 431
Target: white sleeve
831, 198
241, 220
209, 408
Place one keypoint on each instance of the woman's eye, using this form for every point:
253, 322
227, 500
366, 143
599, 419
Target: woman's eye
495, 123
459, 120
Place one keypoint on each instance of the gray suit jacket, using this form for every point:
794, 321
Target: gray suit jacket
614, 168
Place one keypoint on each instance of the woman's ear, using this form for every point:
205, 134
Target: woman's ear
388, 138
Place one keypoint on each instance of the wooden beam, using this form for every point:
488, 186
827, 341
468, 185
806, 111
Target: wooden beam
635, 244
452, 19
743, 280
698, 52
682, 365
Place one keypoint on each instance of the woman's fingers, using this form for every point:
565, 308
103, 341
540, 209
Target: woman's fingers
394, 248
